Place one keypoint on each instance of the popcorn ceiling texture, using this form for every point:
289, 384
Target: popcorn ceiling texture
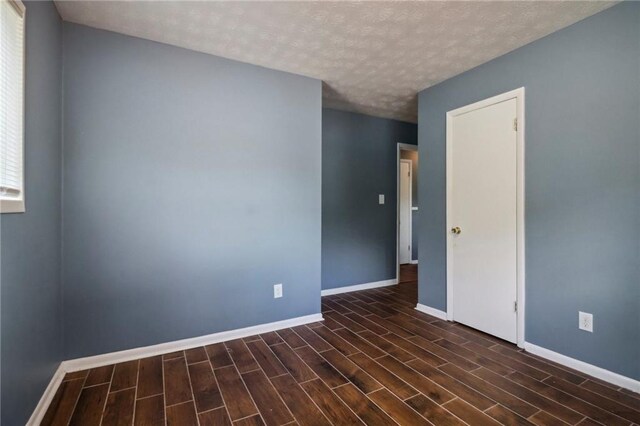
372, 56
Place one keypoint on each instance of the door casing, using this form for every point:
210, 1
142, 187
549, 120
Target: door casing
518, 95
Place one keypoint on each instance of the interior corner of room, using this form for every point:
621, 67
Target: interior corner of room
441, 224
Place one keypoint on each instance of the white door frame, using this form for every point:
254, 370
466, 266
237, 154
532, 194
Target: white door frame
400, 147
409, 162
518, 95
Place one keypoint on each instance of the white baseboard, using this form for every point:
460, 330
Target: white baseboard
78, 364
431, 311
179, 345
414, 262
47, 397
358, 287
592, 370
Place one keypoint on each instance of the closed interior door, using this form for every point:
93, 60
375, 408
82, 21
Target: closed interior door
483, 219
404, 220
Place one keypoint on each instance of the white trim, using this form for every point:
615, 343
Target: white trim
517, 94
400, 147
179, 345
590, 369
431, 311
414, 261
7, 205
520, 212
358, 287
47, 397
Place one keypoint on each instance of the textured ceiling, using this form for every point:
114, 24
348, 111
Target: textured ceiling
372, 56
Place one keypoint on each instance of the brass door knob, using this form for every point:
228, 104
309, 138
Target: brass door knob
456, 230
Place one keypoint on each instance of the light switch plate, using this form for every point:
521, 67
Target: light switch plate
380, 198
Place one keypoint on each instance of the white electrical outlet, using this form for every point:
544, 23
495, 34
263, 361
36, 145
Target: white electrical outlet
380, 198
585, 321
277, 291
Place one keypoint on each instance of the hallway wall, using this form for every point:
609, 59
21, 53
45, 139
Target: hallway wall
358, 163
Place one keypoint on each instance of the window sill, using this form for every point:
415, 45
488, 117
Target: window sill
11, 206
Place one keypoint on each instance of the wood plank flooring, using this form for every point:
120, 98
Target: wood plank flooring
374, 360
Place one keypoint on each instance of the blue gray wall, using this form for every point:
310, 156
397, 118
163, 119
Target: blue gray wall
192, 186
358, 163
31, 315
582, 184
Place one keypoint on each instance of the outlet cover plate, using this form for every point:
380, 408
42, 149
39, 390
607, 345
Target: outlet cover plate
585, 321
277, 291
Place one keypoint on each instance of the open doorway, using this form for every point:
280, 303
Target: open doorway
407, 206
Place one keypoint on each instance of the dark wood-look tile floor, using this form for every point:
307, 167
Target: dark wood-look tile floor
374, 360
408, 273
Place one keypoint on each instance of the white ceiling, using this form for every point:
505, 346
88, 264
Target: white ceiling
372, 56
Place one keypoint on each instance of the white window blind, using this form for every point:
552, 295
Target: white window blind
11, 104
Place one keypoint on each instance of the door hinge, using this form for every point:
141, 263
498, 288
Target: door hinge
409, 247
515, 306
515, 124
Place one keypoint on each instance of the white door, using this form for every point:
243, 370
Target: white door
404, 219
483, 218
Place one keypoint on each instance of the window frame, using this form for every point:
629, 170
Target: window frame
17, 204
